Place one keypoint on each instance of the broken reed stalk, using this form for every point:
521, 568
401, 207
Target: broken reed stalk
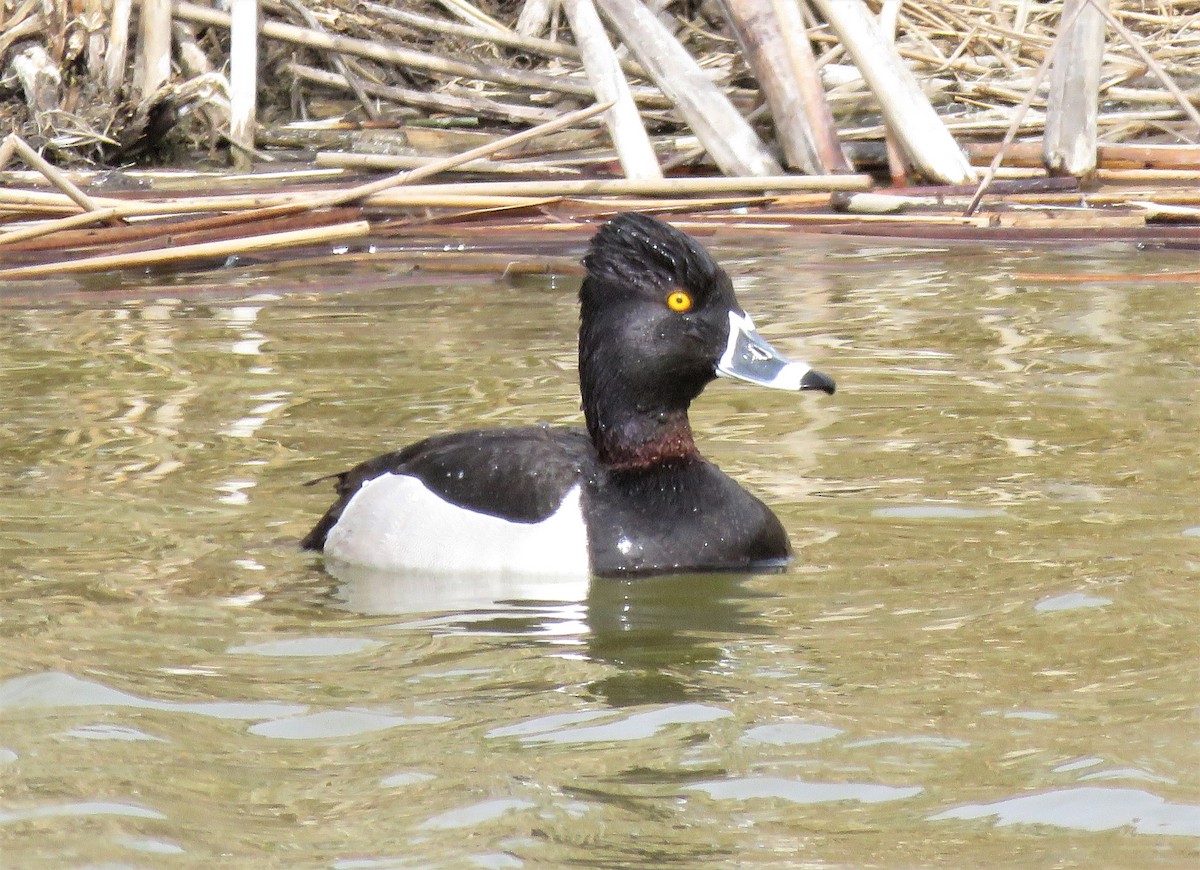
1068, 22
154, 47
21, 148
909, 114
153, 233
765, 30
389, 53
243, 79
1118, 155
337, 59
509, 39
393, 162
163, 256
626, 187
899, 167
473, 15
625, 128
253, 207
1138, 49
812, 91
1073, 103
265, 207
438, 102
47, 227
118, 45
428, 194
535, 15
486, 150
725, 134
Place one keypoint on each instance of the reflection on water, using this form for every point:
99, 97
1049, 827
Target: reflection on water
369, 590
984, 654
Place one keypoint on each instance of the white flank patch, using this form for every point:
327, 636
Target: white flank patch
395, 523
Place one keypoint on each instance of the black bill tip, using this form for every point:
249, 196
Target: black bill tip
815, 380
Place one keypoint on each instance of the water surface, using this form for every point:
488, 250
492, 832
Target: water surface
985, 653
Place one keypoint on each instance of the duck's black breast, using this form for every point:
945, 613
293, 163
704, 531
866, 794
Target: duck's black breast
678, 516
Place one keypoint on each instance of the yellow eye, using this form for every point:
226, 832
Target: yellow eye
679, 301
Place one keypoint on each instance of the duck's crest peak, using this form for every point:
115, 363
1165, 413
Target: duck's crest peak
636, 249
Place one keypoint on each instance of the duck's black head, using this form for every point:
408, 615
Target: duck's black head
658, 321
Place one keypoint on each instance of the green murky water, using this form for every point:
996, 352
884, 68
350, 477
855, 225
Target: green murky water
985, 654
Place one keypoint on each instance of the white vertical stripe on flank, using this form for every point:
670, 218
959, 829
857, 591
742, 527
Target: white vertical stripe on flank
395, 523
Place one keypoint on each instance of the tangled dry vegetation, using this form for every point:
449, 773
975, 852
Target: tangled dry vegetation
355, 85
75, 88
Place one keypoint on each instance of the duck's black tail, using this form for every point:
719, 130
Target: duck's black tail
315, 540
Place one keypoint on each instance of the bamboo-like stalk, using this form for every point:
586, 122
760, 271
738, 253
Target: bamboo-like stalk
183, 253
731, 142
180, 231
582, 205
487, 150
214, 228
1072, 106
118, 45
243, 78
371, 190
1157, 176
604, 71
812, 91
252, 205
154, 47
472, 194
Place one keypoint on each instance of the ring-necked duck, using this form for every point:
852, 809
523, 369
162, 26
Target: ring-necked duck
628, 495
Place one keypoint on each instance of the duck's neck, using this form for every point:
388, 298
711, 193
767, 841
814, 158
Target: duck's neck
632, 433
635, 407
642, 441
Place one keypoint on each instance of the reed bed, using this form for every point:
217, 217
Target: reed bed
284, 127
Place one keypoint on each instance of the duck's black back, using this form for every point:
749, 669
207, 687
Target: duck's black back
519, 474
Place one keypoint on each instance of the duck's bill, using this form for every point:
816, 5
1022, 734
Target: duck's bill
748, 357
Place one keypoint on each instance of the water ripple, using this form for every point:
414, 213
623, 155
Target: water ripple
54, 689
1088, 809
800, 792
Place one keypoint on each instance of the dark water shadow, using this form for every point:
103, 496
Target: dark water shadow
662, 631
